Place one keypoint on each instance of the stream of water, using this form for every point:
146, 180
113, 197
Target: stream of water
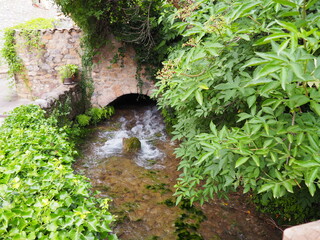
141, 185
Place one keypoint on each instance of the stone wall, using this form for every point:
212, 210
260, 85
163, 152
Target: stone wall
66, 99
114, 70
58, 47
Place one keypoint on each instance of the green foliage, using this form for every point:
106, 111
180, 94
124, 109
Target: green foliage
40, 196
83, 120
244, 86
36, 24
68, 71
189, 222
99, 18
95, 115
32, 40
292, 208
169, 118
96, 18
8, 52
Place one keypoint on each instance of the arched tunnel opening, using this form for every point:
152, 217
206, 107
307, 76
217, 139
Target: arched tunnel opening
128, 100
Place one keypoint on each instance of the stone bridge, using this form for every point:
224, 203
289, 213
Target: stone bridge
114, 71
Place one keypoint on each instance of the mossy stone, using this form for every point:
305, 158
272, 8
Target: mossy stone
132, 144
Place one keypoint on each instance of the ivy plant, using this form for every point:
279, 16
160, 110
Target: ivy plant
40, 196
29, 31
244, 87
95, 115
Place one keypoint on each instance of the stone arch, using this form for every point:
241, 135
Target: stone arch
116, 72
106, 95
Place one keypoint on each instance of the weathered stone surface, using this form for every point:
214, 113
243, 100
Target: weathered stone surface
308, 231
131, 145
62, 46
69, 95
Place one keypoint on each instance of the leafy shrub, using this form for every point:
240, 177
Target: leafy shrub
68, 71
293, 208
83, 120
40, 196
99, 114
244, 85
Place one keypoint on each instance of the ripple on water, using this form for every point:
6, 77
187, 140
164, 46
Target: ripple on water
146, 125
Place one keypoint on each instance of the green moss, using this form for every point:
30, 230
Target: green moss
169, 203
189, 222
132, 144
161, 187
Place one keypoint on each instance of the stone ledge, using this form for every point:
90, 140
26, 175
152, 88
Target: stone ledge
308, 231
48, 99
63, 95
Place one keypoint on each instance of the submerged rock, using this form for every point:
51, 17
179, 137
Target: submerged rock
132, 144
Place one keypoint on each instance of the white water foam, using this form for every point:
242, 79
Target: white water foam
148, 127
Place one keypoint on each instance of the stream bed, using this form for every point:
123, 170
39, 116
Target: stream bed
141, 186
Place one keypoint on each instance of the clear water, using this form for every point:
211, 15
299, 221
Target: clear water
146, 125
140, 183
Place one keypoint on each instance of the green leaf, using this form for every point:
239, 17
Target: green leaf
265, 187
199, 97
283, 46
267, 70
203, 86
288, 186
245, 37
312, 189
266, 128
241, 161
243, 116
300, 138
251, 100
284, 77
257, 82
242, 10
267, 143
276, 190
275, 36
255, 62
92, 224
203, 158
256, 159
52, 227
311, 175
311, 3
307, 164
286, 3
270, 86
297, 101
179, 198
289, 26
315, 107
315, 145
298, 71
188, 93
213, 129
273, 157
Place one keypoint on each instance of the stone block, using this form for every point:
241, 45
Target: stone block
308, 231
117, 89
47, 36
69, 56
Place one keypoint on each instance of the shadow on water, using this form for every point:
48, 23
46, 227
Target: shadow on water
141, 183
